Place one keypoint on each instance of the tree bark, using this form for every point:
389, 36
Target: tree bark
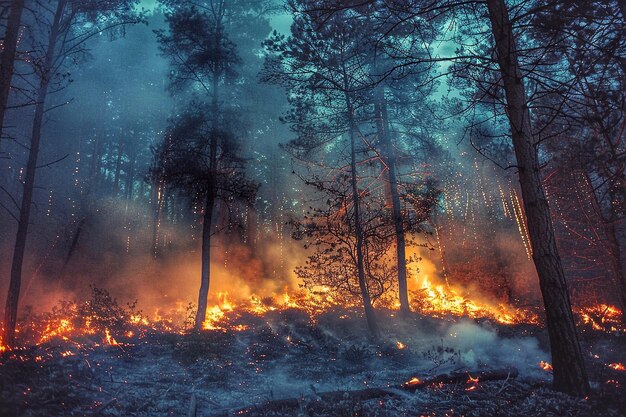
389, 157
10, 315
205, 276
370, 314
7, 60
569, 372
211, 195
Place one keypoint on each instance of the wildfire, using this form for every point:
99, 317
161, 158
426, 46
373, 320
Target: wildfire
105, 321
545, 366
617, 366
440, 301
602, 317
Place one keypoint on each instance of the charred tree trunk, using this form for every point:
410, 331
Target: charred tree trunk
370, 314
569, 369
205, 277
211, 196
7, 59
382, 125
10, 312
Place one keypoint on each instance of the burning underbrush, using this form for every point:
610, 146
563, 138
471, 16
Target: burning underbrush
298, 354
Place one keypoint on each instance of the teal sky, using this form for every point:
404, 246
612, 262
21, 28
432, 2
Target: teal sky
148, 4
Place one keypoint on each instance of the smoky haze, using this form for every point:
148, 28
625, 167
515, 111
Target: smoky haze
94, 214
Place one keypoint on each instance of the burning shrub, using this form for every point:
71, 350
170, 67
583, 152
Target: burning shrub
101, 316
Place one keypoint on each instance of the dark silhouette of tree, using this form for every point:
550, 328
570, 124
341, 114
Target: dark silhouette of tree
202, 56
71, 24
7, 57
569, 368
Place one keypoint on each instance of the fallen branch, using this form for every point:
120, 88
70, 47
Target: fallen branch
414, 384
466, 377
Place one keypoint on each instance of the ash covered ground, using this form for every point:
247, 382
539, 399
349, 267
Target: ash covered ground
285, 355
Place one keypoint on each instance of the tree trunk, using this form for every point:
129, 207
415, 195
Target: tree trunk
211, 195
205, 277
118, 167
158, 196
612, 245
389, 157
7, 60
130, 173
10, 312
370, 314
617, 265
569, 372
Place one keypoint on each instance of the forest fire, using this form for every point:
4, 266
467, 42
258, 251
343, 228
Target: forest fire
102, 320
439, 301
312, 207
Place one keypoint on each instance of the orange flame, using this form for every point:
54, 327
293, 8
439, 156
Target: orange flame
439, 300
545, 366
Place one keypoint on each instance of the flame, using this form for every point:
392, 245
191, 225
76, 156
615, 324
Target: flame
413, 381
617, 366
440, 301
78, 324
472, 380
109, 339
602, 317
545, 366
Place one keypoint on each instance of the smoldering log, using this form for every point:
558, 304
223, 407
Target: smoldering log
460, 378
465, 377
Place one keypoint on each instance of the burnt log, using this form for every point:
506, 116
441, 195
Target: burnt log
466, 377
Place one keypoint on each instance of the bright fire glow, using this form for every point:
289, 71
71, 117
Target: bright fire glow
618, 366
437, 300
545, 366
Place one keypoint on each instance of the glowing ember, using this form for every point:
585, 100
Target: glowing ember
472, 380
400, 345
617, 366
545, 366
413, 381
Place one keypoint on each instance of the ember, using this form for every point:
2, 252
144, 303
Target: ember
545, 366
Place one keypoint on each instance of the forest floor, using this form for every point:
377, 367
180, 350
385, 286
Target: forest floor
285, 355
